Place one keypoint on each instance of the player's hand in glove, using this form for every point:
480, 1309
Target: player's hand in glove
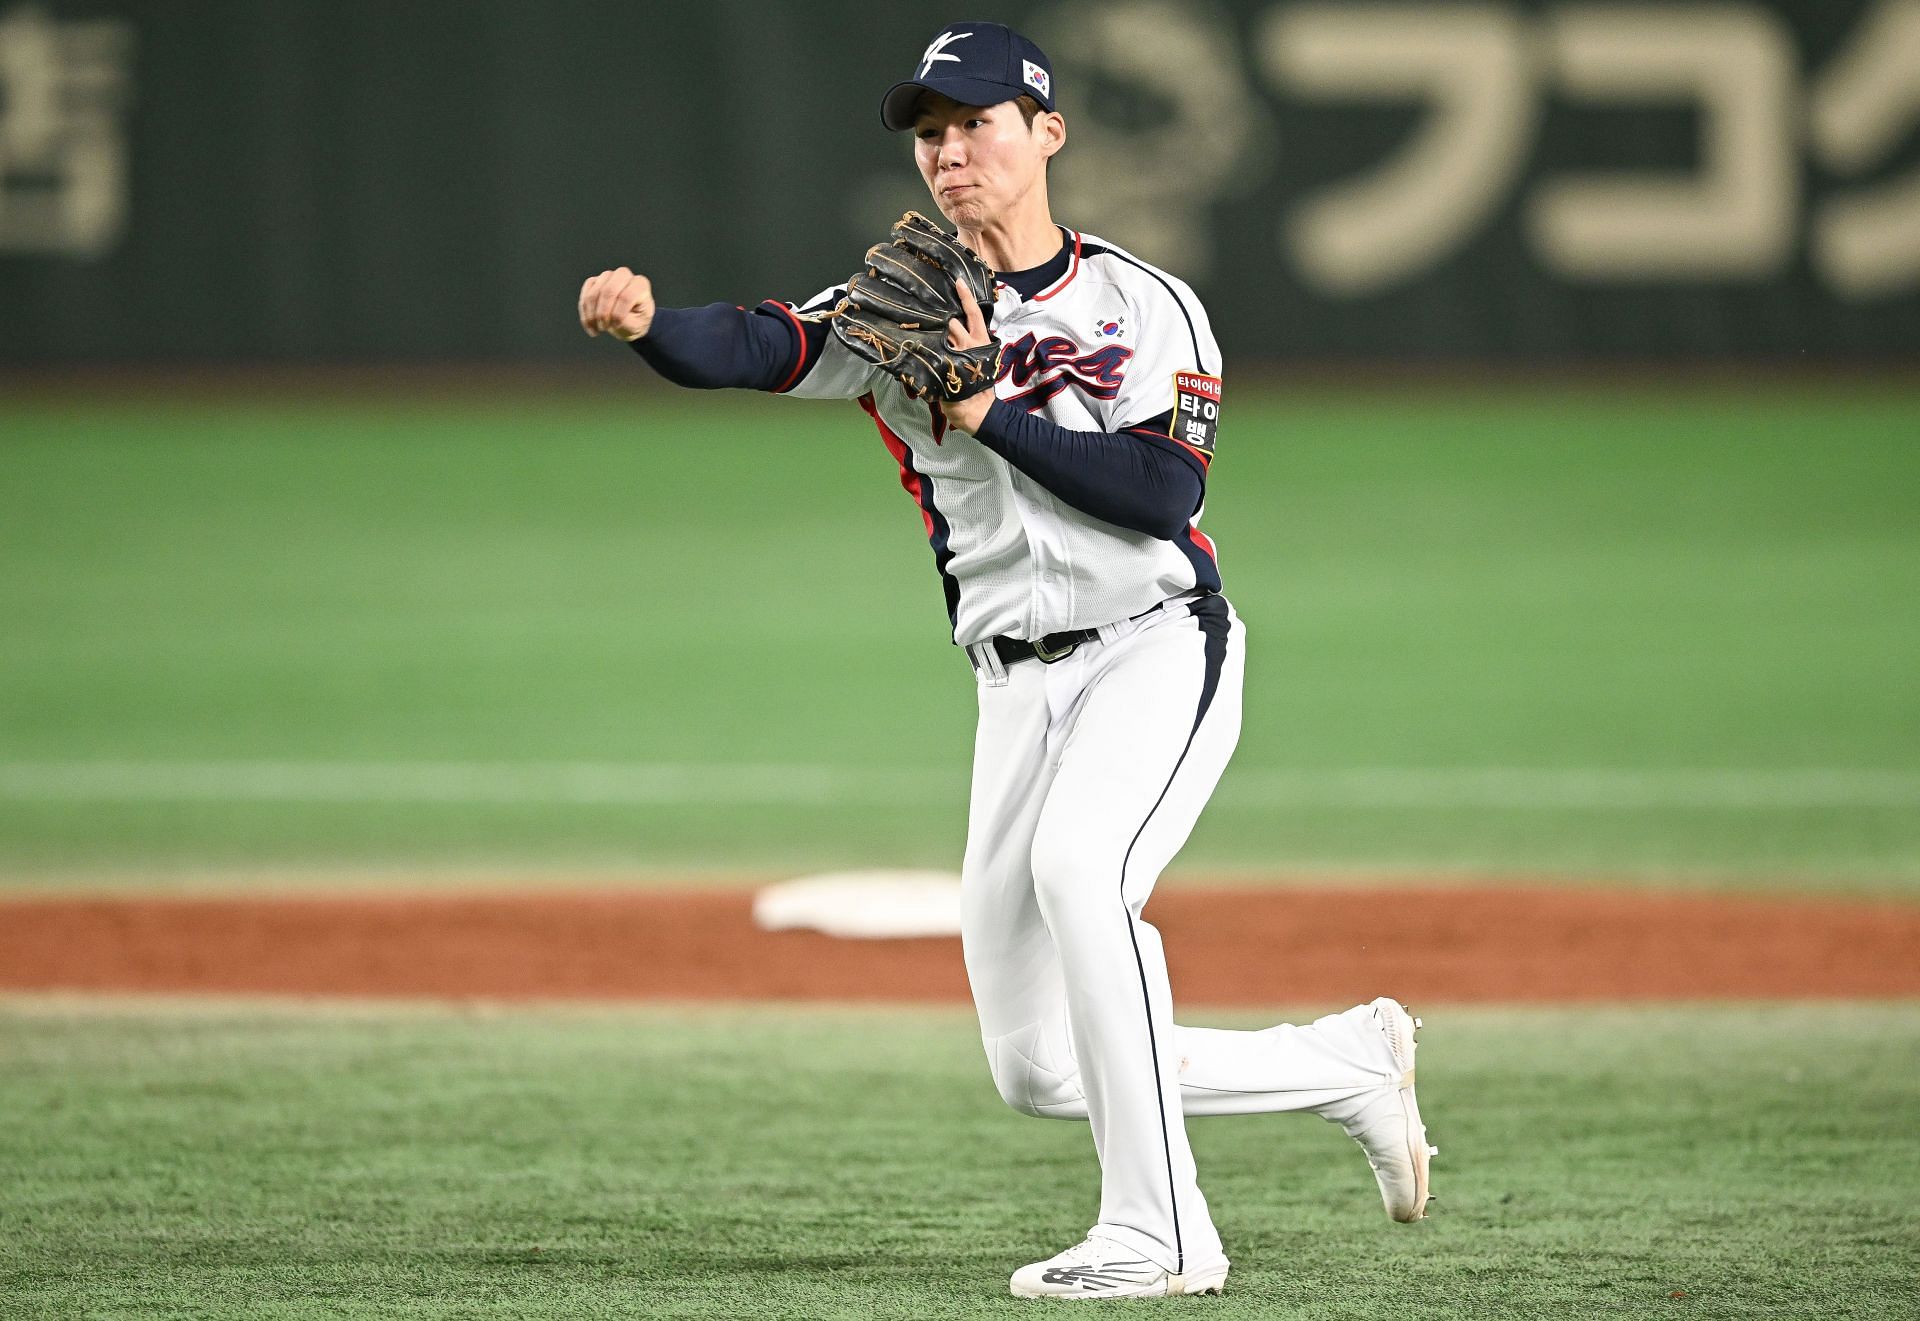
900, 313
966, 332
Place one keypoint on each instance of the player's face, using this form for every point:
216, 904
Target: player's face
978, 161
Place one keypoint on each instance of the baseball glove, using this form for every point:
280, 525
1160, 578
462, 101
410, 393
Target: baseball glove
896, 311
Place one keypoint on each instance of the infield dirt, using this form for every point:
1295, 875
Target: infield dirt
1226, 947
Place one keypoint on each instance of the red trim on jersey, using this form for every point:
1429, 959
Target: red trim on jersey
800, 333
1073, 269
1206, 460
909, 479
1204, 542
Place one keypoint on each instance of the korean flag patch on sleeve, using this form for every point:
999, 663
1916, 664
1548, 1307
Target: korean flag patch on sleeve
1196, 411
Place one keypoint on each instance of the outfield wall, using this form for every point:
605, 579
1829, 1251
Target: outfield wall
294, 180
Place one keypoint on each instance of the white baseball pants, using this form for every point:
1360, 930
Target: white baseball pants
1088, 777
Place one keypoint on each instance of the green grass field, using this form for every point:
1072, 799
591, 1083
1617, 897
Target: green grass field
1663, 635
786, 1164
1660, 637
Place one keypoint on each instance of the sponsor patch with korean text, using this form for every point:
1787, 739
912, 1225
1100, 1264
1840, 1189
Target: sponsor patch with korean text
1196, 412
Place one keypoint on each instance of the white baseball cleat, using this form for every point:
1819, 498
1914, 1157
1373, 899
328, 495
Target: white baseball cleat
1101, 1268
1387, 1126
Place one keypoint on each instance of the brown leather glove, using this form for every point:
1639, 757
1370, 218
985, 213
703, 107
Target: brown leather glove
896, 311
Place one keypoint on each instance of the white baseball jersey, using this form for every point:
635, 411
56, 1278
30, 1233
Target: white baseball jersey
1113, 344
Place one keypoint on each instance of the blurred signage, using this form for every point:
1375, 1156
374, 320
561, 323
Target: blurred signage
1339, 179
63, 145
1481, 78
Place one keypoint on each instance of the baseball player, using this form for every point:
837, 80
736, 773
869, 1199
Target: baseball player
1053, 404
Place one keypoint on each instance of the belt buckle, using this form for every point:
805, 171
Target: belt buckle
1047, 657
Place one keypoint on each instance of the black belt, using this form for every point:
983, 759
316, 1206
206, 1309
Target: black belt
1054, 646
1051, 648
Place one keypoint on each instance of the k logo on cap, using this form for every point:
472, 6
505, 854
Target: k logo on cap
936, 50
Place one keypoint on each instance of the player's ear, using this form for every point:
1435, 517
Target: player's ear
1052, 127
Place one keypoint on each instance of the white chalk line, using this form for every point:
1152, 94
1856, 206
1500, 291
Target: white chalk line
644, 784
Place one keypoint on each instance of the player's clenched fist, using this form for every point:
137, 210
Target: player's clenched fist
618, 302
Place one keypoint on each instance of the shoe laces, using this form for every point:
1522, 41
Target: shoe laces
1398, 1029
1094, 1250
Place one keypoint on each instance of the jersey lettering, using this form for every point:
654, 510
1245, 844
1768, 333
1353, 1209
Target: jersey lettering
1196, 414
1097, 373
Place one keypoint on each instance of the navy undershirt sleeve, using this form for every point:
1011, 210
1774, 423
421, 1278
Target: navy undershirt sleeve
720, 346
1127, 479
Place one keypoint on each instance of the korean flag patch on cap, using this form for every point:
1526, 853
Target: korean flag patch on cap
1036, 77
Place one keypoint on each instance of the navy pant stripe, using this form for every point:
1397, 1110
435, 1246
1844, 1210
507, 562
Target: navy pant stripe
1211, 612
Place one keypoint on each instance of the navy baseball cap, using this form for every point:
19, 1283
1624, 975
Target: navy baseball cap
979, 64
